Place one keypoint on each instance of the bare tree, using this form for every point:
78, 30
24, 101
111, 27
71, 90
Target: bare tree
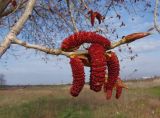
40, 21
2, 81
58, 16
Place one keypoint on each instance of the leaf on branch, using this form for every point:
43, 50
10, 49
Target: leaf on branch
96, 15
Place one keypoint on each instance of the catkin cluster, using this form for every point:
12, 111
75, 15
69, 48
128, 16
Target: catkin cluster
99, 62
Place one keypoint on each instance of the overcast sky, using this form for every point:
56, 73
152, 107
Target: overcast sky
31, 69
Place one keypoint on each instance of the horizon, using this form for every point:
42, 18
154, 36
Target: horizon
30, 68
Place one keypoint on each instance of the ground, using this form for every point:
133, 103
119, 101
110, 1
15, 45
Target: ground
141, 100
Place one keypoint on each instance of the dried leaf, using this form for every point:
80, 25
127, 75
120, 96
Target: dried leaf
96, 15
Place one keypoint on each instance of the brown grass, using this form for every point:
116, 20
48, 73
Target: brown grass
56, 102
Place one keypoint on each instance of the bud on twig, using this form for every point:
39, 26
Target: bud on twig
132, 37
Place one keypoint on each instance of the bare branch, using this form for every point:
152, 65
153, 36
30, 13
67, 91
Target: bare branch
60, 15
155, 16
86, 7
127, 39
72, 17
37, 47
28, 11
48, 50
16, 28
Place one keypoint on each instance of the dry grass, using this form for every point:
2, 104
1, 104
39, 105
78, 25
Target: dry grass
55, 102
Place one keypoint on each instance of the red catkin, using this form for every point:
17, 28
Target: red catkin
118, 90
96, 60
98, 66
77, 39
113, 74
78, 76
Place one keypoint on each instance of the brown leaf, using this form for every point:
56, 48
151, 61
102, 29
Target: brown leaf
92, 17
96, 15
99, 17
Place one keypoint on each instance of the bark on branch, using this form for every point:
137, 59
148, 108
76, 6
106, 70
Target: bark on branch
155, 16
16, 28
127, 39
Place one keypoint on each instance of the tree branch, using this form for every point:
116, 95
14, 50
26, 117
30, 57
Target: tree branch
155, 16
48, 50
28, 11
127, 39
72, 18
16, 28
11, 37
40, 48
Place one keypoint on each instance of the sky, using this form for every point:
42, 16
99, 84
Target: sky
29, 68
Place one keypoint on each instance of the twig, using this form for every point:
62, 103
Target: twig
130, 38
60, 15
86, 7
72, 18
108, 7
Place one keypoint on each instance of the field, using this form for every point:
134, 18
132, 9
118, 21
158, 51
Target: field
142, 100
